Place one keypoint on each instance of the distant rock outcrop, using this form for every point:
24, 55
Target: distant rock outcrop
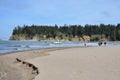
18, 37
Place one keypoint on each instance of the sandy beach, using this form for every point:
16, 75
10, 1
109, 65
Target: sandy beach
80, 63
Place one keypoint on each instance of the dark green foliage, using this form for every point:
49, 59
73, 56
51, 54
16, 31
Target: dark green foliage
70, 31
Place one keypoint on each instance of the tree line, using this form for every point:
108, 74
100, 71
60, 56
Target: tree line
96, 32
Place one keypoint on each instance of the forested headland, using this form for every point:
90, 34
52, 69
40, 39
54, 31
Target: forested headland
67, 32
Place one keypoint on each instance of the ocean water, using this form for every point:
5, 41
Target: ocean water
14, 46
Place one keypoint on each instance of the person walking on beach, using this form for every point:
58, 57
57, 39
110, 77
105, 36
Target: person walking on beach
105, 43
85, 44
100, 43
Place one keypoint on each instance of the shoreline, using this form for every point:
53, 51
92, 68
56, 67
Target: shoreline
24, 70
28, 47
43, 49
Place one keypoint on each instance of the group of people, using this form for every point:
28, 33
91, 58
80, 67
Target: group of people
100, 43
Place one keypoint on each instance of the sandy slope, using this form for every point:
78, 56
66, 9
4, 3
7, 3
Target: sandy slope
11, 69
14, 70
91, 63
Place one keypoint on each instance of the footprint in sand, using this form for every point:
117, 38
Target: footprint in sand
3, 75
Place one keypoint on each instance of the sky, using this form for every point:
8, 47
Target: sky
50, 12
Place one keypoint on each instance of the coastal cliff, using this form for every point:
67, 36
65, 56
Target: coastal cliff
23, 37
67, 33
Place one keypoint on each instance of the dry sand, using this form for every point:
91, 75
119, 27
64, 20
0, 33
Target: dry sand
90, 63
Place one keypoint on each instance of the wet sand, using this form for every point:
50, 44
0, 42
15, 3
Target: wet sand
90, 63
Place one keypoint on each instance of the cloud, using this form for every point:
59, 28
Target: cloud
20, 12
86, 10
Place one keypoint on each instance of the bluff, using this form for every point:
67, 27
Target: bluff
67, 32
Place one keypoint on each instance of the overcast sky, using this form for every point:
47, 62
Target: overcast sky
50, 12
